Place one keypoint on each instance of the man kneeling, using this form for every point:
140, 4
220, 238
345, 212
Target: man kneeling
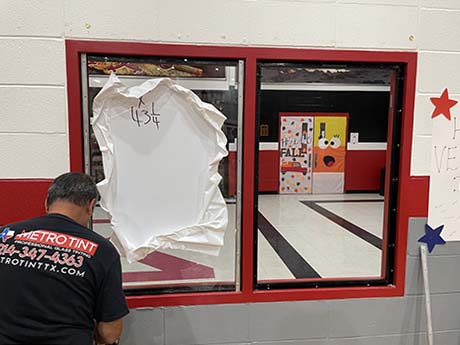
60, 282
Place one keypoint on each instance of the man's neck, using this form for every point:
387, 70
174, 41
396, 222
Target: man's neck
70, 210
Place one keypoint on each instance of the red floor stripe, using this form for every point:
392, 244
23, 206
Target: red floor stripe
101, 221
172, 268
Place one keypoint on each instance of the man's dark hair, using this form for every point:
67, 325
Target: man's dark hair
76, 188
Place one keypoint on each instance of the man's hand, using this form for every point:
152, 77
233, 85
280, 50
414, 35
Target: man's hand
108, 332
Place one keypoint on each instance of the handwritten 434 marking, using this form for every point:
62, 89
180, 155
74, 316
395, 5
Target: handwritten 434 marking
143, 116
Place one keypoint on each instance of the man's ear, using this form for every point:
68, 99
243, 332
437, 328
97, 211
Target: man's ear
46, 205
91, 206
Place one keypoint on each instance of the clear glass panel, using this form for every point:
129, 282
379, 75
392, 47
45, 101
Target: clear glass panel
321, 168
215, 82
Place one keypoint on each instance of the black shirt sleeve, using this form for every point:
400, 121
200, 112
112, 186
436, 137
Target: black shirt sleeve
111, 303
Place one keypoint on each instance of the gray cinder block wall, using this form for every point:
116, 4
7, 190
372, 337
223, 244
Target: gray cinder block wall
375, 321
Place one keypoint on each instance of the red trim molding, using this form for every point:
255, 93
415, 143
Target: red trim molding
413, 191
261, 296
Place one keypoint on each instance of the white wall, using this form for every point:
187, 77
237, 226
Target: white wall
33, 115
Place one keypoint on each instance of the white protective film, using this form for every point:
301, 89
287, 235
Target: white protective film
161, 147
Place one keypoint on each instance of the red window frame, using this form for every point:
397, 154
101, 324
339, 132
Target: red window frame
413, 191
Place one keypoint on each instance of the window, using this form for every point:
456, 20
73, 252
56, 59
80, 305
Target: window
279, 245
216, 82
321, 173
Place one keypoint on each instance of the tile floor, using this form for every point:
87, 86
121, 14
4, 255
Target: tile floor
328, 248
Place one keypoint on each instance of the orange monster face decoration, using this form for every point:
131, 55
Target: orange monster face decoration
330, 155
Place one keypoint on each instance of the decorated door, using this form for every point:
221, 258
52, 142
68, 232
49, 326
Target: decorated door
312, 153
296, 154
330, 134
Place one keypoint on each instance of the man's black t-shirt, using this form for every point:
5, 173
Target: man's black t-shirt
56, 278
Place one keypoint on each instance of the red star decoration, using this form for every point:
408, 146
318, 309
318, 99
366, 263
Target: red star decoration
442, 105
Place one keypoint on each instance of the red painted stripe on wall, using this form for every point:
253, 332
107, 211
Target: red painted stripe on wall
362, 170
269, 171
22, 198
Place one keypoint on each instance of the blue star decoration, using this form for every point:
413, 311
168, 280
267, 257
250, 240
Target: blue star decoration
432, 237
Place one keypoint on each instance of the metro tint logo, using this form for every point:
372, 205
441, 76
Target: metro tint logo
59, 240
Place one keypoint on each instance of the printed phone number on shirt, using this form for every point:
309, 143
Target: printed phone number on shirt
39, 254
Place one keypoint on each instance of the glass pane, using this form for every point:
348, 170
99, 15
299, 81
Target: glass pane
215, 82
321, 168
